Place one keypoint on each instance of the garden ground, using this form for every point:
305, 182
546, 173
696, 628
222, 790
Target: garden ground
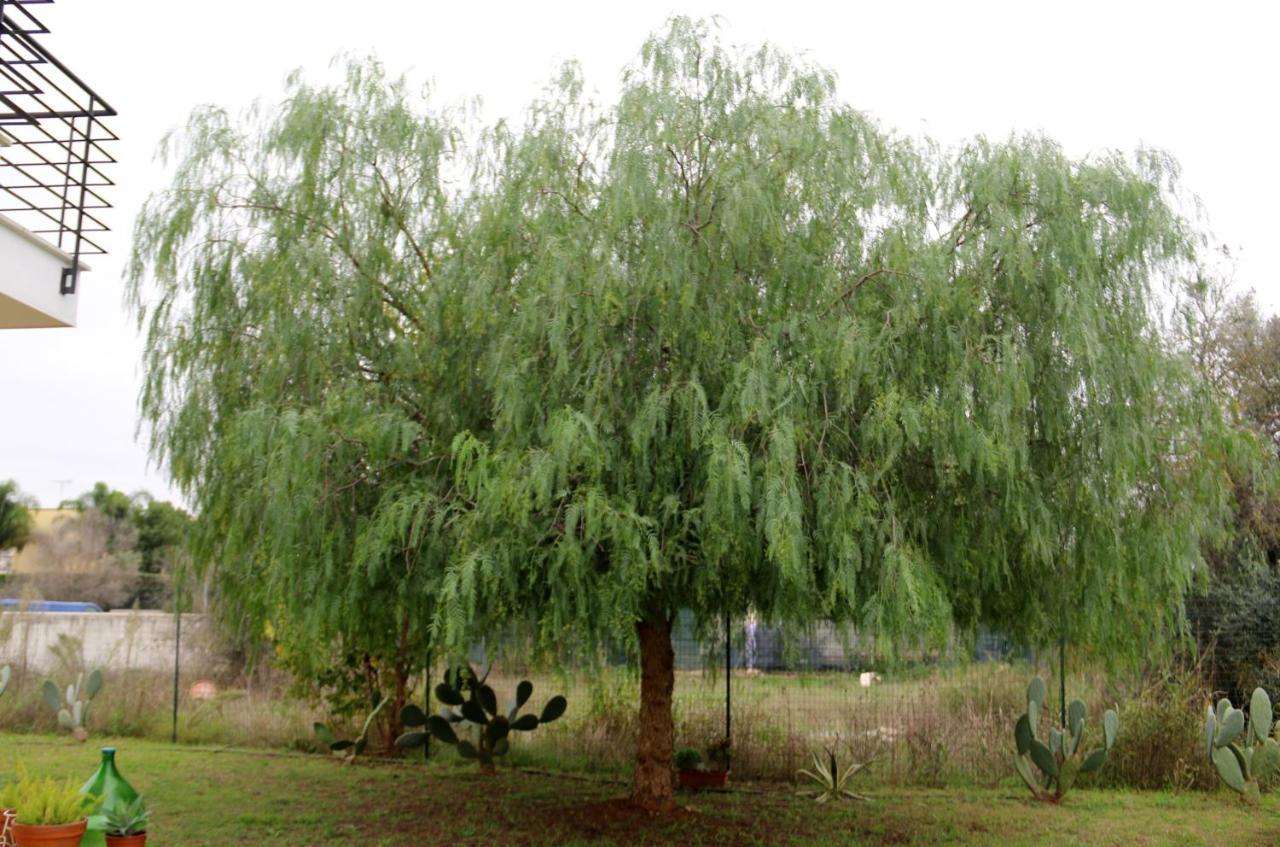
217, 797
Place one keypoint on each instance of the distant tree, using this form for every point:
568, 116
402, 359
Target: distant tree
144, 535
116, 510
87, 557
112, 503
162, 528
308, 363
1237, 349
15, 516
163, 531
725, 346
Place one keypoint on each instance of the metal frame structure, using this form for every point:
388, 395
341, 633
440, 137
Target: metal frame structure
51, 142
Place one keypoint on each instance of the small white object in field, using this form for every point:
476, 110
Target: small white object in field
868, 678
203, 690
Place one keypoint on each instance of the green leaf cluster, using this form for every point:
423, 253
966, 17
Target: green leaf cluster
15, 516
47, 802
724, 344
129, 818
831, 779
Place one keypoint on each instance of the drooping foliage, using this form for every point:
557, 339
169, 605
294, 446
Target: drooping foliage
307, 366
725, 344
762, 354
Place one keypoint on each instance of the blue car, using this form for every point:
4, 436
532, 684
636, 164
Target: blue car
48, 606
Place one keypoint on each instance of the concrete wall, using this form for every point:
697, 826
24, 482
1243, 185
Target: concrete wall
109, 640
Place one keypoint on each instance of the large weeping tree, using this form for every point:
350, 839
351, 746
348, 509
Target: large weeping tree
307, 364
758, 354
724, 345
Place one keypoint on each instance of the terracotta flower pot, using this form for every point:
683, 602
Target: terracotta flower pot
696, 780
138, 840
65, 835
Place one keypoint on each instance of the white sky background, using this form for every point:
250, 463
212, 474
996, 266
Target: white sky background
1200, 84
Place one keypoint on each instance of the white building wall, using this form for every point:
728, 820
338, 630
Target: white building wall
30, 281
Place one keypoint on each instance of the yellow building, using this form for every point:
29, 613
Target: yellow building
42, 520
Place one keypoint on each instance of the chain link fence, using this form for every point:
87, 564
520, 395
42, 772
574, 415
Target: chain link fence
924, 717
781, 694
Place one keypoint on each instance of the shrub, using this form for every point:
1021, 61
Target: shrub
1235, 623
1161, 743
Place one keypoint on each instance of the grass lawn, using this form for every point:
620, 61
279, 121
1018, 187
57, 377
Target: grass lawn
216, 797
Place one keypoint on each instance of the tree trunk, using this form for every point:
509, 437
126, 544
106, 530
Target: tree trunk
391, 712
653, 788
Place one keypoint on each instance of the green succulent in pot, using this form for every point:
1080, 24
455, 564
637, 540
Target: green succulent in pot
127, 823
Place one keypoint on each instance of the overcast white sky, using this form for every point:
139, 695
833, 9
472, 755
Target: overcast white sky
1199, 80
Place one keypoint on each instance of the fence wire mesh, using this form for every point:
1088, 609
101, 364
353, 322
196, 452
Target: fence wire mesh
924, 717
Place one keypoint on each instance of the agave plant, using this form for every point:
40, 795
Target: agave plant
831, 779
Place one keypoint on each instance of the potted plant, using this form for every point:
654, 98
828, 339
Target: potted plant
127, 824
687, 761
695, 777
49, 813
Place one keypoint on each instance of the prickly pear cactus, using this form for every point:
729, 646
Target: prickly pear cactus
1243, 753
1059, 761
468, 700
348, 749
72, 706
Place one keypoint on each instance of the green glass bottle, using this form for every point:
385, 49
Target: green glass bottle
113, 788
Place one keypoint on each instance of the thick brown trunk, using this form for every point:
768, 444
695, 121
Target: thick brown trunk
653, 788
390, 716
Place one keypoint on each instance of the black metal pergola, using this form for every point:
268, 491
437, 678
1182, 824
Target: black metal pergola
51, 142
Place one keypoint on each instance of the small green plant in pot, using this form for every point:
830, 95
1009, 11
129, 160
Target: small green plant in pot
127, 824
1242, 753
688, 759
693, 776
49, 813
